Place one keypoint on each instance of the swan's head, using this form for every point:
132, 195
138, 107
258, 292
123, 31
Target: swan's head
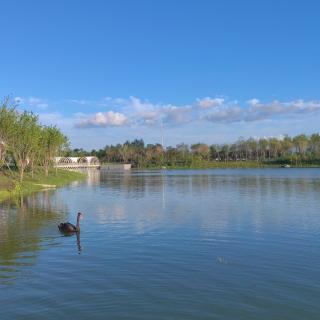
80, 215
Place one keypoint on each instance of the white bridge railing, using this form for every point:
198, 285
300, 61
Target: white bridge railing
76, 165
76, 162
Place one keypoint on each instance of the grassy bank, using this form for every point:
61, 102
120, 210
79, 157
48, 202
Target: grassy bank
11, 187
235, 165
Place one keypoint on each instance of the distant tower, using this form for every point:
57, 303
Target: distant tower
161, 129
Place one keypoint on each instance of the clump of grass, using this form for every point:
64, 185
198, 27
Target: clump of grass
11, 187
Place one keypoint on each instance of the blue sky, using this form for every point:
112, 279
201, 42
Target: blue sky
210, 71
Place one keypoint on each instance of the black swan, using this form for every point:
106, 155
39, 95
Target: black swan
69, 227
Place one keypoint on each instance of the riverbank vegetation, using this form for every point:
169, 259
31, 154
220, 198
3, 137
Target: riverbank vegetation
10, 186
27, 149
300, 150
25, 144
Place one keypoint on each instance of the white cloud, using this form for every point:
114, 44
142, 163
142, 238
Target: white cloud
205, 119
103, 119
38, 103
225, 114
185, 122
145, 112
81, 101
133, 111
174, 114
142, 112
208, 102
253, 101
262, 111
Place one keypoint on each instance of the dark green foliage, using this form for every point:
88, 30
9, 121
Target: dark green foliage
300, 150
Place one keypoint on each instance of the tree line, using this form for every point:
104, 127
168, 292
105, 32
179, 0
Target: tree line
25, 143
290, 150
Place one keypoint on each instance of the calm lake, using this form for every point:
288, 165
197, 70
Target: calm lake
187, 244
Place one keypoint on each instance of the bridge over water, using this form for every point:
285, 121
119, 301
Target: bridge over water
76, 162
87, 162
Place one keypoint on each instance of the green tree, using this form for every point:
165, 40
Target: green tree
8, 118
315, 143
263, 147
51, 142
201, 150
22, 141
301, 143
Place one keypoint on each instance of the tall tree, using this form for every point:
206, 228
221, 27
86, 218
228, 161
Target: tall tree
301, 143
315, 143
23, 139
8, 118
51, 142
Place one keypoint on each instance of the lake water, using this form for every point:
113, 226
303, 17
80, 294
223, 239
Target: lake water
204, 244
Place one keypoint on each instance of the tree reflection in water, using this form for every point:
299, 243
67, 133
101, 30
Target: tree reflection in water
23, 222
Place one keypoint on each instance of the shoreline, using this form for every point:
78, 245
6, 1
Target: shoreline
229, 165
10, 187
225, 167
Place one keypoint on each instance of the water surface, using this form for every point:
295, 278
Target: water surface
204, 244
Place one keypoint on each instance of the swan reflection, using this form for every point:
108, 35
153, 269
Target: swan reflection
78, 243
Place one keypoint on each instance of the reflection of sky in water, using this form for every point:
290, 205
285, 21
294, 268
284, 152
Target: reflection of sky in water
248, 237
210, 201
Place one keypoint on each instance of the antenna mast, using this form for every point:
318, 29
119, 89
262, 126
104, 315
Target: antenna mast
161, 128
